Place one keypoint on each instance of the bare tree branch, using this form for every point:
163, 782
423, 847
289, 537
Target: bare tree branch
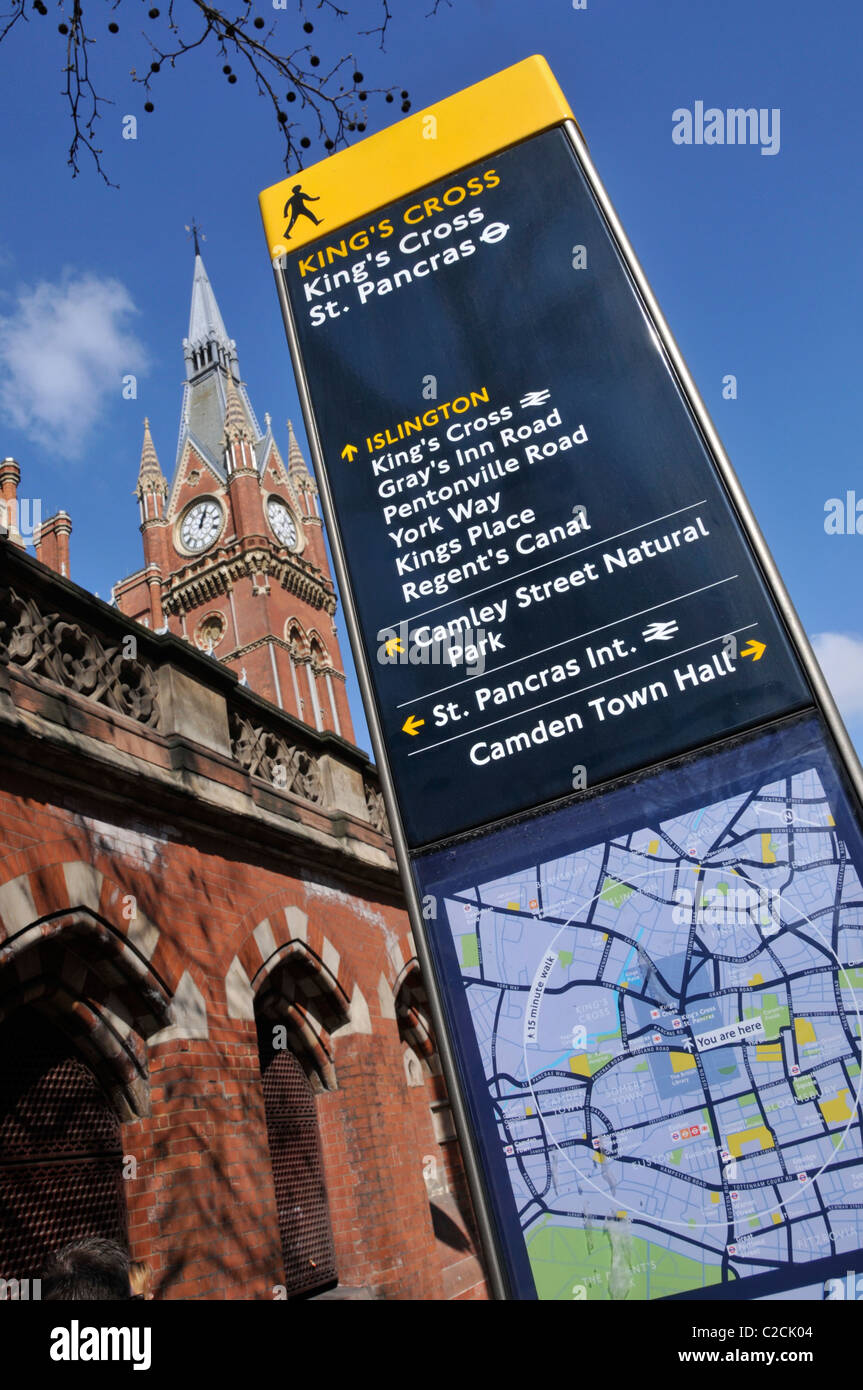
311, 101
17, 13
84, 103
380, 28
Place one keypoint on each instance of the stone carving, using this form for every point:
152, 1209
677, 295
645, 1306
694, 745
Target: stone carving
45, 644
210, 632
207, 576
265, 754
376, 808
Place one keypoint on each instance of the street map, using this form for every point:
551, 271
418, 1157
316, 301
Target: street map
669, 1024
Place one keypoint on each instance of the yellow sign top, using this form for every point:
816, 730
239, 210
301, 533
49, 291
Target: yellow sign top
460, 130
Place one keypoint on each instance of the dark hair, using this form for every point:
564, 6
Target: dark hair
90, 1268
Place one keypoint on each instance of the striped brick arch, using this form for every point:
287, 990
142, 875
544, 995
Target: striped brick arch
318, 651
412, 1011
88, 966
297, 639
288, 972
80, 996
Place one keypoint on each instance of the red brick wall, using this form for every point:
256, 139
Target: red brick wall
373, 1163
133, 598
201, 1207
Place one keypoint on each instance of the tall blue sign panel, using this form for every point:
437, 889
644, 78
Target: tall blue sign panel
634, 846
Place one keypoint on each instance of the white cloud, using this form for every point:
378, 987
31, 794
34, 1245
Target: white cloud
64, 347
841, 660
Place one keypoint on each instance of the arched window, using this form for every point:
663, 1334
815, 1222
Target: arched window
298, 654
61, 1159
76, 1005
316, 662
325, 699
294, 1139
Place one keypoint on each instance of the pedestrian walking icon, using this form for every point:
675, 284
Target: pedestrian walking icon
297, 205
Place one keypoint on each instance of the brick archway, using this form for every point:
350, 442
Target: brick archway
50, 891
274, 926
79, 979
289, 981
61, 1173
74, 946
318, 651
412, 1012
287, 970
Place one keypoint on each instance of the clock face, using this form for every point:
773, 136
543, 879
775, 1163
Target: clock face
282, 522
201, 525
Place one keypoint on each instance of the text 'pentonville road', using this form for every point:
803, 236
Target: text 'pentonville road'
551, 584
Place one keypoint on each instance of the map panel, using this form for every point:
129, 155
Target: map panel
657, 998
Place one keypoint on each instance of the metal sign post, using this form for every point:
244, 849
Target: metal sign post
583, 680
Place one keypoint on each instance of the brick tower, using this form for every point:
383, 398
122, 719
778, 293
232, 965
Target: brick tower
234, 556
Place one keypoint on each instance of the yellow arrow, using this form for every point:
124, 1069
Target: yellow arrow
412, 724
348, 451
755, 649
394, 645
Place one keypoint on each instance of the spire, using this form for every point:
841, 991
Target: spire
150, 475
208, 344
209, 414
296, 462
236, 422
152, 489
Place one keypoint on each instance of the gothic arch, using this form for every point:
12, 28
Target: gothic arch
297, 639
46, 892
272, 925
93, 976
104, 997
318, 652
287, 979
287, 971
321, 674
79, 997
414, 1022
290, 1081
294, 990
324, 992
299, 656
61, 1147
449, 1200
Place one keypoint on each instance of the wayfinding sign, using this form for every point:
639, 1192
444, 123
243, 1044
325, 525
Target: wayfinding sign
552, 583
550, 579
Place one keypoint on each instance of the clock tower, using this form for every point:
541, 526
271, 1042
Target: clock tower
234, 556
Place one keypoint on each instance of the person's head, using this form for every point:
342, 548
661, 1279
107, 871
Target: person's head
141, 1278
89, 1268
297, 188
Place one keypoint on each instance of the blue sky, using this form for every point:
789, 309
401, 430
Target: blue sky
754, 258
